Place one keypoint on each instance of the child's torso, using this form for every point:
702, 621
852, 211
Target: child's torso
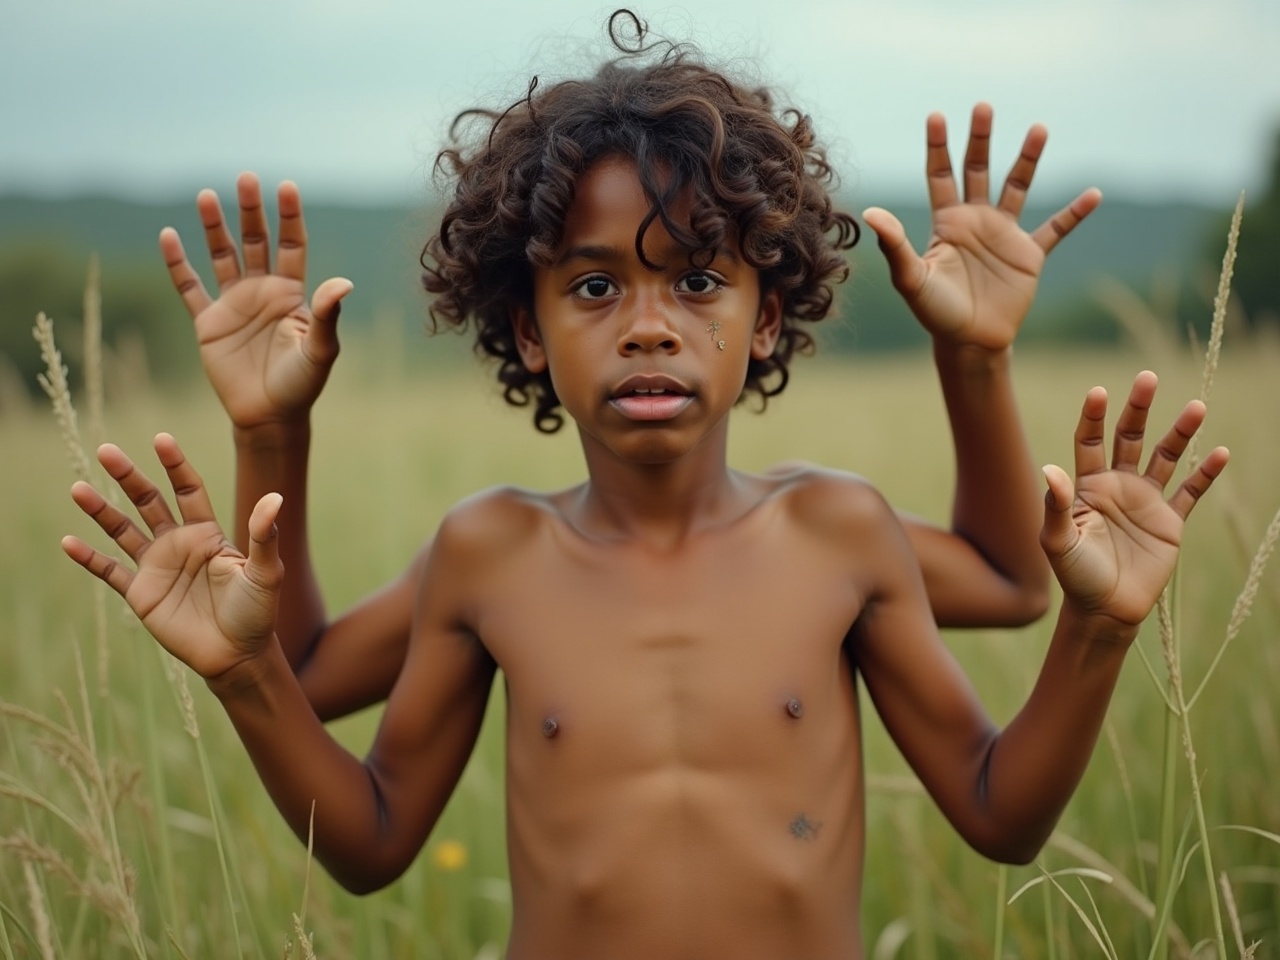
683, 750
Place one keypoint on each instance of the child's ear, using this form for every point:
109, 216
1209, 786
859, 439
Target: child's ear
768, 326
528, 340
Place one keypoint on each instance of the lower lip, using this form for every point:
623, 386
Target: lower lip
663, 406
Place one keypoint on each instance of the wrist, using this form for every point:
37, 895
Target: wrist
273, 434
958, 356
1090, 626
248, 679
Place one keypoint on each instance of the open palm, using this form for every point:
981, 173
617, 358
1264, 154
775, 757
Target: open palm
265, 349
979, 272
1112, 537
203, 600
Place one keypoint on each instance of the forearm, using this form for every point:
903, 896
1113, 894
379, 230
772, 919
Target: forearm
274, 459
301, 765
997, 506
1034, 766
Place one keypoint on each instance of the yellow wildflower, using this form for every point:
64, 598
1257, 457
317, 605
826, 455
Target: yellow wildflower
450, 855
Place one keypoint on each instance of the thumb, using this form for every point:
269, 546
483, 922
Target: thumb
265, 569
326, 305
1059, 534
905, 267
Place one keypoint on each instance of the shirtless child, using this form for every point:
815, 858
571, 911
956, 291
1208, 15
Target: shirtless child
680, 642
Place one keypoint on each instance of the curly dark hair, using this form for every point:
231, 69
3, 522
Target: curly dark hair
755, 173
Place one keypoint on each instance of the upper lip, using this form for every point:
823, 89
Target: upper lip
650, 383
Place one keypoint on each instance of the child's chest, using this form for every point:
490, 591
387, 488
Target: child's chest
742, 636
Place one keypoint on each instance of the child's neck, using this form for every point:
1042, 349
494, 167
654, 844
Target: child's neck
660, 504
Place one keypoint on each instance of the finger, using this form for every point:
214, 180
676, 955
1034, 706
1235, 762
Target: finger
291, 255
185, 279
194, 505
977, 158
265, 568
1197, 485
105, 568
1165, 457
906, 269
1089, 436
114, 523
1013, 195
1050, 233
1131, 427
142, 493
222, 249
1059, 534
942, 184
321, 343
255, 237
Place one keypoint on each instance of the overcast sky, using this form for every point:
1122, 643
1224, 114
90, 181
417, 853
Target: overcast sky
1150, 99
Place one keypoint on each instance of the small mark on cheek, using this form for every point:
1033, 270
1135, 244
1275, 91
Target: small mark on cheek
550, 727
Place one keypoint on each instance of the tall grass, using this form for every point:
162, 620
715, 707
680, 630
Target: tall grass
112, 846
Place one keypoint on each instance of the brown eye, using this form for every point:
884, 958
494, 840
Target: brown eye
698, 283
594, 288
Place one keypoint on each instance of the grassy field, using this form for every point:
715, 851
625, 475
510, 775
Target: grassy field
131, 823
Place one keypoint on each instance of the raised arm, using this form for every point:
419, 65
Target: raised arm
267, 352
213, 607
1112, 539
971, 291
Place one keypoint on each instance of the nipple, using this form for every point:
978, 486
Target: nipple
795, 709
550, 727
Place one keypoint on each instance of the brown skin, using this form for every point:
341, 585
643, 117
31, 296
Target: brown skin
268, 352
683, 759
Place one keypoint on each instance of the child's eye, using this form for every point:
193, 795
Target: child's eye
595, 288
699, 283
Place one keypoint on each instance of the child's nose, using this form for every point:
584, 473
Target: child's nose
648, 326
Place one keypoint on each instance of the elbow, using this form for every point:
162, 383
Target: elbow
1017, 848
1014, 854
1032, 603
364, 878
361, 887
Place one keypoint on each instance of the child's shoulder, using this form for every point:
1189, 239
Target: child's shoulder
497, 518
827, 501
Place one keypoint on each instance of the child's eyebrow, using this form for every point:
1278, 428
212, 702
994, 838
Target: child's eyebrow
596, 253
592, 252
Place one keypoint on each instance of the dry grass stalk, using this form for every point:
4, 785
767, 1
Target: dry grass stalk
99, 789
54, 383
1220, 300
1121, 885
39, 912
1244, 602
93, 386
304, 939
1229, 901
178, 676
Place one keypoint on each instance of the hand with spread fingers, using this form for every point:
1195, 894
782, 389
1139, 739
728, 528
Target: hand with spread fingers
978, 275
265, 349
206, 602
1112, 537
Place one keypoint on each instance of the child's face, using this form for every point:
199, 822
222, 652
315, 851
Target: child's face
647, 362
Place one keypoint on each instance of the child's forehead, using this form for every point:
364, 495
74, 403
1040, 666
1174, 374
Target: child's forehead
610, 207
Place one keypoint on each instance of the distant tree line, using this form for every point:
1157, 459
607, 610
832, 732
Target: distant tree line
139, 307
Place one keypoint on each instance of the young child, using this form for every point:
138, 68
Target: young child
268, 352
680, 642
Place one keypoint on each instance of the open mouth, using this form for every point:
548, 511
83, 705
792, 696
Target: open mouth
650, 400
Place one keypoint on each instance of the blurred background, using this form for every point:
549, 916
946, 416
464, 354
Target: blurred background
114, 115
131, 822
